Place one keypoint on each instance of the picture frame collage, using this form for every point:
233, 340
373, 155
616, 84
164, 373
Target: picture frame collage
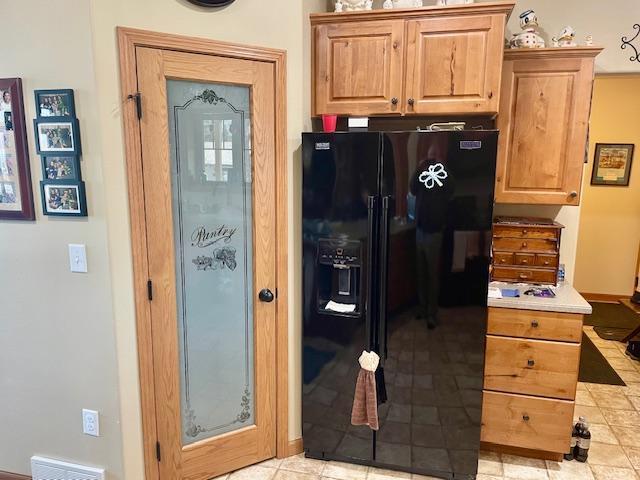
57, 137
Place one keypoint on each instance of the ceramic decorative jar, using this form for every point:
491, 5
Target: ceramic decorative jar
402, 3
353, 5
453, 2
529, 37
566, 38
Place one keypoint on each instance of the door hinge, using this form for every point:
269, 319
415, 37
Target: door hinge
276, 293
158, 456
138, 98
150, 290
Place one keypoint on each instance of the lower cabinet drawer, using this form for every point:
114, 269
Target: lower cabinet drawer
532, 367
547, 261
527, 422
519, 274
532, 324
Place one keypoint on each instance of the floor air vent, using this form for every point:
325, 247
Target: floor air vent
48, 469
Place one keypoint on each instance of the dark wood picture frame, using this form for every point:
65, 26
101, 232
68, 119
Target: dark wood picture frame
17, 120
620, 182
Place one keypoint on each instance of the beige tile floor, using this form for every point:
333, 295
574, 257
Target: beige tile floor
612, 411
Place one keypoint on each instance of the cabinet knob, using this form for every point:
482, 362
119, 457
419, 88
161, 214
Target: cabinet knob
525, 261
546, 262
535, 324
502, 260
524, 244
395, 45
531, 363
394, 101
525, 417
523, 276
524, 232
411, 101
573, 194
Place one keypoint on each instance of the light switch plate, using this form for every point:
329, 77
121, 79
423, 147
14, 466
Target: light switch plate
78, 258
91, 422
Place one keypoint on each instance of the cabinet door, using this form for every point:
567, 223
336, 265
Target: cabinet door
358, 68
454, 64
543, 122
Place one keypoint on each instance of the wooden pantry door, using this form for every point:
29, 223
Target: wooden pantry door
208, 166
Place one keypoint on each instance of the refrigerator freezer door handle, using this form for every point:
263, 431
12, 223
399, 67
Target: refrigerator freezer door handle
371, 204
383, 269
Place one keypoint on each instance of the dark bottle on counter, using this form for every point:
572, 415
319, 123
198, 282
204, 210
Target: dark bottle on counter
584, 441
574, 442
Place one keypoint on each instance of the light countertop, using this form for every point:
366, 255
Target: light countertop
567, 299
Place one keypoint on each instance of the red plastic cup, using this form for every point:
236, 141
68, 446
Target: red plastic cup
329, 123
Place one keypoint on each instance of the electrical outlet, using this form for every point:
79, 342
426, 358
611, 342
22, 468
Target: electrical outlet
91, 422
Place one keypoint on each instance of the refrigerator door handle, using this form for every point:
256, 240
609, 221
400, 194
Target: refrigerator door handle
371, 207
383, 269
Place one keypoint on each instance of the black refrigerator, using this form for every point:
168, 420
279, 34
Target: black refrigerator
396, 254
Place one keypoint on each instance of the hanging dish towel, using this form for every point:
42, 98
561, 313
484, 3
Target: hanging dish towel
365, 404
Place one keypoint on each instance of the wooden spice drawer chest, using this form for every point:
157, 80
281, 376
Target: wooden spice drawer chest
526, 250
530, 379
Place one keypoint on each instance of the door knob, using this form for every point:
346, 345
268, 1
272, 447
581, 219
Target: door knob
266, 295
394, 101
573, 194
411, 101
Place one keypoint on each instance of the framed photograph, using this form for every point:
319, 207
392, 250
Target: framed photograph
59, 167
612, 164
55, 103
62, 198
57, 136
16, 196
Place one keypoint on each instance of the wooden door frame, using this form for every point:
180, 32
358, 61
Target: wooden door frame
128, 40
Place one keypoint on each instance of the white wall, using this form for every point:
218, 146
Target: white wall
57, 344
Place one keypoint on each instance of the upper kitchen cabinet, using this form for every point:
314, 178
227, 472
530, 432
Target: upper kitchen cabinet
418, 61
454, 64
544, 125
359, 67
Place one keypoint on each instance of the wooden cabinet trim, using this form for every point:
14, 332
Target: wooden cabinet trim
485, 8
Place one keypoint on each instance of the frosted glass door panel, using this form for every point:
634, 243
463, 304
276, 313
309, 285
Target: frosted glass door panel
212, 199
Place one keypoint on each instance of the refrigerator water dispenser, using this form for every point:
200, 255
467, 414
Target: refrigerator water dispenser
339, 269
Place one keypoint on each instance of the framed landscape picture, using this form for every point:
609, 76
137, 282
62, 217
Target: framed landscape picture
612, 164
16, 196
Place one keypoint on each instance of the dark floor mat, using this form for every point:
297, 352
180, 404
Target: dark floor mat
594, 368
612, 321
612, 315
612, 333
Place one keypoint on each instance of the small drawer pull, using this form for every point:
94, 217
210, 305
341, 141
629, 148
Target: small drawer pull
524, 244
524, 232
531, 363
502, 260
526, 417
525, 261
535, 324
546, 262
523, 276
